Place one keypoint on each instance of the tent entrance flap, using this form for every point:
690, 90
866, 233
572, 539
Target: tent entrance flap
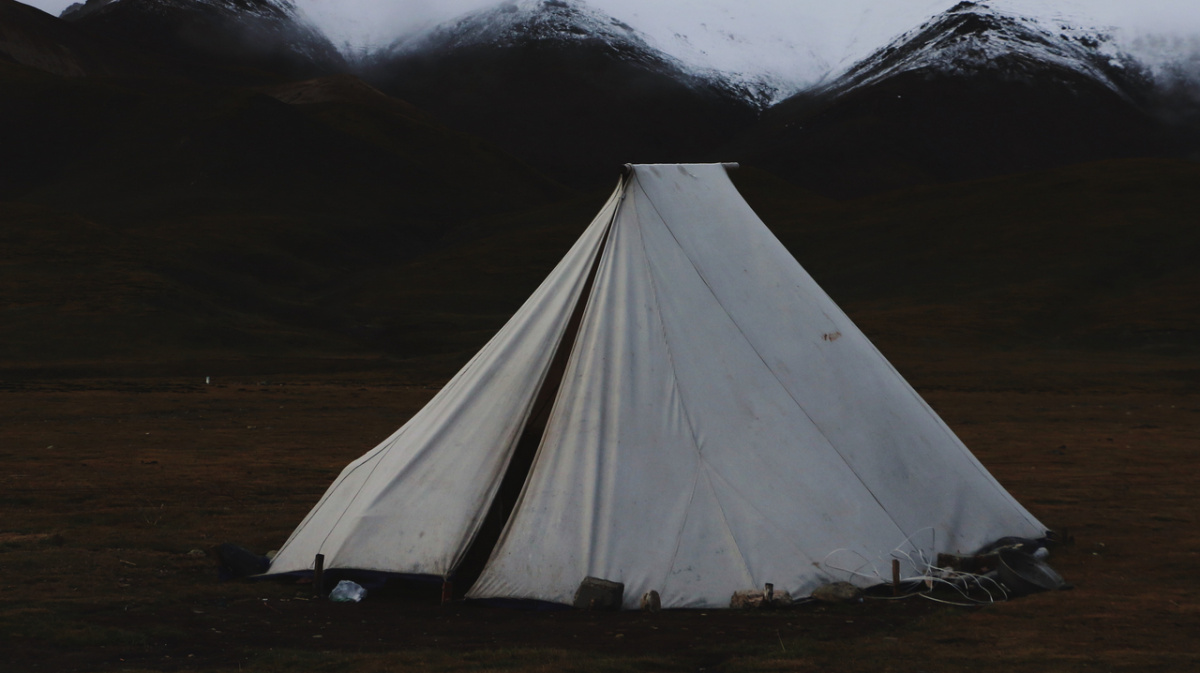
501, 508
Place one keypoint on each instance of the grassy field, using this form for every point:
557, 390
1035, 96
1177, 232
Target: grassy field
1050, 318
109, 486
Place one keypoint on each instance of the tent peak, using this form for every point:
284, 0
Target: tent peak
628, 169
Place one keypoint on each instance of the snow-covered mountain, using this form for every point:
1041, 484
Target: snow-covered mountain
565, 87
975, 39
518, 22
271, 9
980, 88
559, 24
973, 91
268, 34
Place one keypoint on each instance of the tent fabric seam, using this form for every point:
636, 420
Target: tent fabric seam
750, 503
772, 371
601, 257
682, 527
702, 465
379, 460
947, 430
725, 520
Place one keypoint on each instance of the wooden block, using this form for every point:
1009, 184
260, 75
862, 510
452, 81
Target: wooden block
598, 594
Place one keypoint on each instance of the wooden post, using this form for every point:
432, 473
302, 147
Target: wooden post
447, 591
895, 577
319, 575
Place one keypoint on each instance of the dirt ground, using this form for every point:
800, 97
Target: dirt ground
108, 488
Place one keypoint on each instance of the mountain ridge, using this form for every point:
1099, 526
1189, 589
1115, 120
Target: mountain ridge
574, 91
564, 87
522, 23
974, 38
972, 92
268, 35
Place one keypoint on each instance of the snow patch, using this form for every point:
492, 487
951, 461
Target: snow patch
974, 37
518, 22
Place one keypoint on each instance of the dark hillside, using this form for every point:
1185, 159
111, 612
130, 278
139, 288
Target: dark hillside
250, 39
1087, 259
571, 91
153, 221
573, 111
34, 39
973, 92
1079, 264
919, 129
157, 220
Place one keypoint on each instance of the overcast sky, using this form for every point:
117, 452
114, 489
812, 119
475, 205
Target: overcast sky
797, 39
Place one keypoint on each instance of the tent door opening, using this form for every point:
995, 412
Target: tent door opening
519, 466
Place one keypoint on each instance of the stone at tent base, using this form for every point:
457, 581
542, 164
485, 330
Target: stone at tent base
651, 602
756, 598
235, 562
838, 592
597, 594
749, 598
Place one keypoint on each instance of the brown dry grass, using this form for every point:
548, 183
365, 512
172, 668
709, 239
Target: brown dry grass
108, 484
1050, 318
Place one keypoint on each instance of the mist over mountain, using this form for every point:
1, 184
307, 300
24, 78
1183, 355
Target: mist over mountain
793, 44
571, 90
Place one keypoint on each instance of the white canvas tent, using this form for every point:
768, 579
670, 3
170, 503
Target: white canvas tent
699, 417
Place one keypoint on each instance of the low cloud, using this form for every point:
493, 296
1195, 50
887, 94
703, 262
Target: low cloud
797, 39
